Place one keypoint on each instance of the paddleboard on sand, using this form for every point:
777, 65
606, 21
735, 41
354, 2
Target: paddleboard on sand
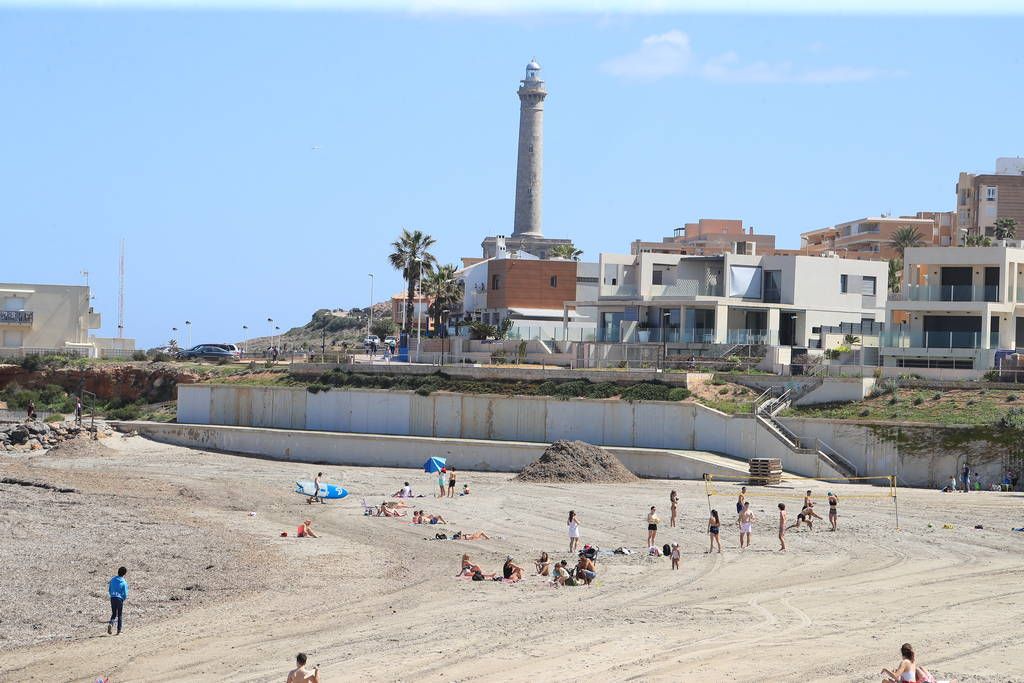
327, 491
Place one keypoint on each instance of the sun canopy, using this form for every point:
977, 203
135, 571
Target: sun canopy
434, 465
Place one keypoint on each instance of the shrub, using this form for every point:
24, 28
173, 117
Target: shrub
31, 362
54, 417
646, 392
893, 401
128, 412
1013, 419
991, 376
678, 394
971, 402
138, 355
723, 391
864, 413
161, 357
317, 388
937, 396
717, 381
918, 400
1011, 398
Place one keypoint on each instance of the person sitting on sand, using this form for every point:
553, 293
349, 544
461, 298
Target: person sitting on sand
562, 575
306, 530
475, 536
300, 674
404, 492
543, 564
470, 569
420, 517
465, 490
907, 668
585, 569
511, 571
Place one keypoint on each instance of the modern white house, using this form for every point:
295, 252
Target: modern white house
772, 300
957, 308
43, 319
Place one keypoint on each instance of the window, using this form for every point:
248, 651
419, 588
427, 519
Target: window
772, 286
990, 194
554, 281
867, 285
14, 303
844, 284
656, 277
495, 282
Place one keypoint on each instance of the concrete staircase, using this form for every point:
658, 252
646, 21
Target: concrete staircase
776, 399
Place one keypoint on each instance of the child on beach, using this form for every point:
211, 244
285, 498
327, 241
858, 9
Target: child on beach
713, 527
675, 556
746, 524
118, 591
782, 527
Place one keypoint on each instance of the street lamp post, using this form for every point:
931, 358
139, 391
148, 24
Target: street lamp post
270, 321
444, 333
369, 320
666, 317
245, 342
174, 335
188, 333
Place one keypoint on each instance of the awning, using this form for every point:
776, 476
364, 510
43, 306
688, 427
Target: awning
541, 313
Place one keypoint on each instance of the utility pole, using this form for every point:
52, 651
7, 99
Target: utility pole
120, 295
369, 320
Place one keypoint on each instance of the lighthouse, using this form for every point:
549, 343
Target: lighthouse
530, 166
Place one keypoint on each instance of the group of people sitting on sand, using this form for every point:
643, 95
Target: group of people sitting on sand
909, 670
421, 517
582, 574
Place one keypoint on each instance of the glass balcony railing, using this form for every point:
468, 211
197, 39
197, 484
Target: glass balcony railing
937, 340
16, 317
951, 293
619, 290
756, 337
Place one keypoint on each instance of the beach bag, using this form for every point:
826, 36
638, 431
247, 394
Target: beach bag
478, 576
666, 549
440, 537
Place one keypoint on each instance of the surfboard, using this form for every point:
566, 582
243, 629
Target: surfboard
327, 491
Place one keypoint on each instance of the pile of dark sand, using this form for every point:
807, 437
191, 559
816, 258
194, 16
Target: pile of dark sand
576, 462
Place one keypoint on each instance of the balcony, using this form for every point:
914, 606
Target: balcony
16, 317
937, 340
988, 293
621, 291
753, 337
684, 289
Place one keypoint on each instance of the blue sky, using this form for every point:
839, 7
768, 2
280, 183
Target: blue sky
259, 163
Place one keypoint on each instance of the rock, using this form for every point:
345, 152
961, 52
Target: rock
19, 434
37, 427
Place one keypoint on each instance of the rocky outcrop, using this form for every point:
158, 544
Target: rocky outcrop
34, 436
151, 382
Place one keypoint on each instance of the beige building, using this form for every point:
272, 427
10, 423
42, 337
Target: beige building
870, 238
983, 198
51, 319
708, 237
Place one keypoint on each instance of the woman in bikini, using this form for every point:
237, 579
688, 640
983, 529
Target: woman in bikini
469, 569
652, 527
673, 498
907, 669
543, 564
833, 511
714, 524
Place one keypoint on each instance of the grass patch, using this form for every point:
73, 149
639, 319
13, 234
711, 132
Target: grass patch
956, 407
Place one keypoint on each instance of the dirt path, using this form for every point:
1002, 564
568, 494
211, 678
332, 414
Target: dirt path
374, 600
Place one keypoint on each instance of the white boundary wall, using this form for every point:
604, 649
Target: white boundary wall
682, 426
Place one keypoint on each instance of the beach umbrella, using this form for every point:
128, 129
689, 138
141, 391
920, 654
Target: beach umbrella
434, 465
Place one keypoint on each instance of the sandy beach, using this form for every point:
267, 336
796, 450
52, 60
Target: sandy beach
217, 594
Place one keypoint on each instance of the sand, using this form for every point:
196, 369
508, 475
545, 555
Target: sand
576, 462
374, 600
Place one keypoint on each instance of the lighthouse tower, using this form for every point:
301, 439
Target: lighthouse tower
530, 166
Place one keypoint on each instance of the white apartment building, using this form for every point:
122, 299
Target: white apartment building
734, 299
957, 308
45, 319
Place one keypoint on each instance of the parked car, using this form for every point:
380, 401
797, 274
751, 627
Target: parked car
371, 340
391, 340
230, 347
208, 352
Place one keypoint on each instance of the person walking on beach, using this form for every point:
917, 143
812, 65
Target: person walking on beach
652, 527
442, 473
965, 477
315, 498
673, 498
833, 510
118, 591
714, 525
574, 531
300, 674
742, 499
451, 482
78, 412
782, 527
746, 523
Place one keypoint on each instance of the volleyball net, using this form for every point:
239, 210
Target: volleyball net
791, 487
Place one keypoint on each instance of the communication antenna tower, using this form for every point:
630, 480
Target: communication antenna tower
120, 295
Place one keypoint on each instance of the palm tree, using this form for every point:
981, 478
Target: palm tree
977, 241
895, 274
904, 237
411, 256
566, 251
1006, 228
445, 290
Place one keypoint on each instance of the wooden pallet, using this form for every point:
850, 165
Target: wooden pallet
765, 471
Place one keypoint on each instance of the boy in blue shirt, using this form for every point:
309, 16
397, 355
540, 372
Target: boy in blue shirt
118, 589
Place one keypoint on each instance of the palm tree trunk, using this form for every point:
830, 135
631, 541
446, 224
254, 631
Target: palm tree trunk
409, 294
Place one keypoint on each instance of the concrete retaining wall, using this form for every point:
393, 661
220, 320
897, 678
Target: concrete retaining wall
611, 423
372, 450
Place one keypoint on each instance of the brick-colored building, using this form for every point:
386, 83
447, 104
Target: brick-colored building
983, 198
708, 237
871, 238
